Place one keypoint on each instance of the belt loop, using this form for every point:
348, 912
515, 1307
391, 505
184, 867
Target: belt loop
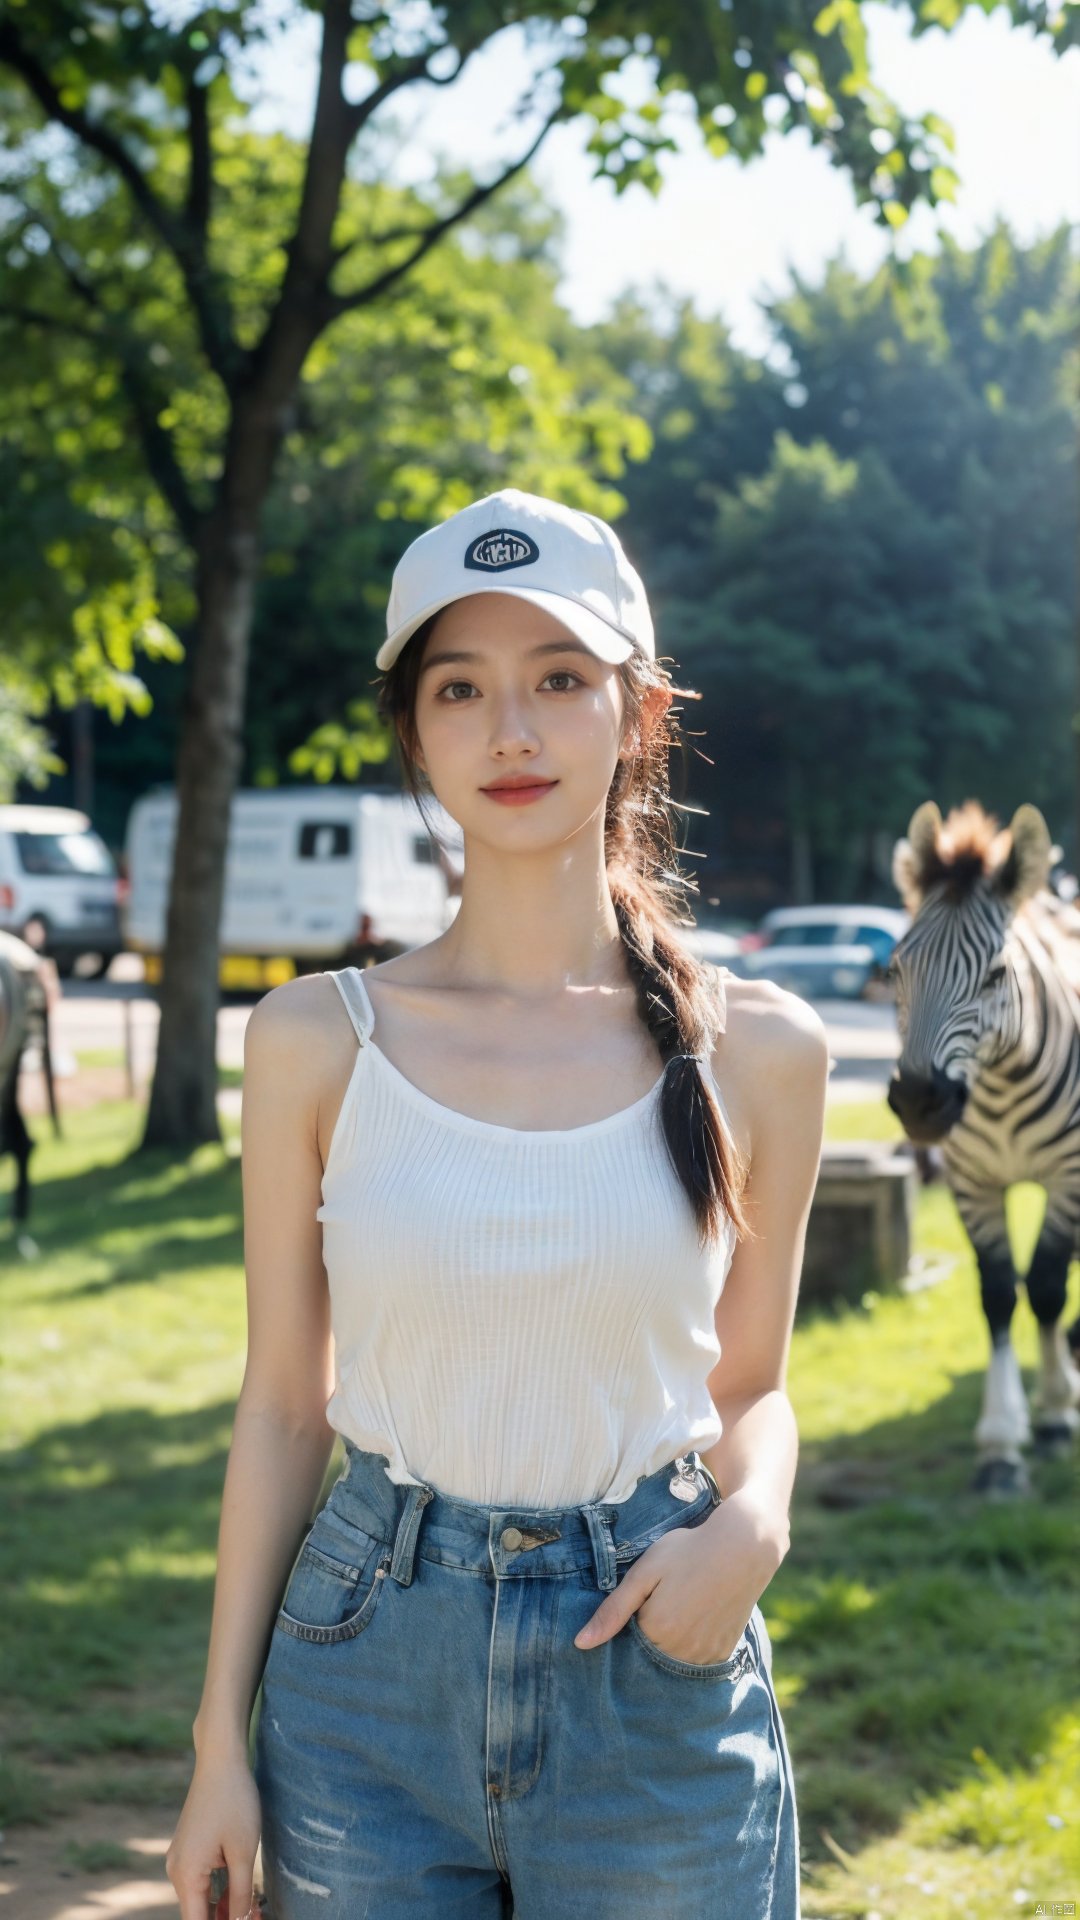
598, 1519
408, 1526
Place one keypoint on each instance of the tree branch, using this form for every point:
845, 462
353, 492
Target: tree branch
414, 69
165, 469
340, 303
57, 323
363, 112
161, 458
360, 112
200, 177
214, 322
72, 269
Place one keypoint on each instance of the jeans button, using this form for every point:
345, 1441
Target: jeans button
512, 1536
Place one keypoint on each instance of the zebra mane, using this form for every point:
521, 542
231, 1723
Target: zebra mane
1054, 928
966, 846
969, 845
970, 848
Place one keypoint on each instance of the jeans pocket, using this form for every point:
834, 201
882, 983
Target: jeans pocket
331, 1598
737, 1663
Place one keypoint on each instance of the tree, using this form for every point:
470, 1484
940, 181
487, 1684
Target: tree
876, 594
118, 115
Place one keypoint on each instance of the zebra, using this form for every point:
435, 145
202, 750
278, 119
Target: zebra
24, 1015
987, 979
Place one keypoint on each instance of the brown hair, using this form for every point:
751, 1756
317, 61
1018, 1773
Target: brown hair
677, 994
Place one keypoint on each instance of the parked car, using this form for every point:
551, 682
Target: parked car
315, 877
823, 952
59, 887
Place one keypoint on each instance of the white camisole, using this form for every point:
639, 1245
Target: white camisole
520, 1317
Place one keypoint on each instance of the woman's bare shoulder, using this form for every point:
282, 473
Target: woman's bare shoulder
769, 1019
298, 1012
775, 1047
299, 1039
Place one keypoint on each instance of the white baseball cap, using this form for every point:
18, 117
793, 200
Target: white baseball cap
568, 562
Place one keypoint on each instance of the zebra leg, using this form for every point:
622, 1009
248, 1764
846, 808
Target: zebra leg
1003, 1426
1056, 1397
15, 1139
1072, 1333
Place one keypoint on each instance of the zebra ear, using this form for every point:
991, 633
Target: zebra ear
905, 873
1024, 865
916, 854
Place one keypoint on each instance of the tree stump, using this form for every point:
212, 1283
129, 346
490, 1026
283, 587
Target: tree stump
859, 1232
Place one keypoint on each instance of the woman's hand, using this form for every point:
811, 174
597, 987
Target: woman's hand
219, 1826
701, 1585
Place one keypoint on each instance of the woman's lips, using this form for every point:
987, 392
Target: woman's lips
519, 796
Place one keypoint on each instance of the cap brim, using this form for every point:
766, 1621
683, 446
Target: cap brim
605, 641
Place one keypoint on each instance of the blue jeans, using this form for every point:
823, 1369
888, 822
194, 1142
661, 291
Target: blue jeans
431, 1742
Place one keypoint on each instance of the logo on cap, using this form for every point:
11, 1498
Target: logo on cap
504, 547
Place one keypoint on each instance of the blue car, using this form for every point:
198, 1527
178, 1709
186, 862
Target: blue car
823, 952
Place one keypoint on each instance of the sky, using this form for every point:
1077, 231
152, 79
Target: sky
726, 234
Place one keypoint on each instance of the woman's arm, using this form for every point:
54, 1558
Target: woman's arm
776, 1062
784, 1066
281, 1442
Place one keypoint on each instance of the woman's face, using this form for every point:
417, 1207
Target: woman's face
504, 689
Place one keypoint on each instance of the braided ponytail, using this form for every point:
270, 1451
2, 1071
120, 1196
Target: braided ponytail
681, 1000
684, 1006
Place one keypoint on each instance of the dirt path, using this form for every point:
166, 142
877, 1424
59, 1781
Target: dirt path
82, 1089
39, 1882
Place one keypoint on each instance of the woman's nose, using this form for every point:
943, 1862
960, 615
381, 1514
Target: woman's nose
512, 726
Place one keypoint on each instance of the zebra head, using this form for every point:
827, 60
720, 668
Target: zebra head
958, 1007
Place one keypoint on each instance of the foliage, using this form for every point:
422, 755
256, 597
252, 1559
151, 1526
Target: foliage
26, 754
866, 564
160, 255
875, 583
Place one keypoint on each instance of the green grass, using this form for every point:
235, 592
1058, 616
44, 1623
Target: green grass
863, 1120
925, 1641
102, 1856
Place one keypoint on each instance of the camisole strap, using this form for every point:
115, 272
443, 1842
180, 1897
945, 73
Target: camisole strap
349, 982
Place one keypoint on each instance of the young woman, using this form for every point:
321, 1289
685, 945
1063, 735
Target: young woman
498, 1236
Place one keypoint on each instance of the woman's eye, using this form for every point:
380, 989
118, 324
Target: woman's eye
448, 692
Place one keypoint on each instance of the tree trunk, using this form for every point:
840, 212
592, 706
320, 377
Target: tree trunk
182, 1110
183, 1098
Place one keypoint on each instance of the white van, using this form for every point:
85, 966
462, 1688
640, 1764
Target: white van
59, 888
315, 877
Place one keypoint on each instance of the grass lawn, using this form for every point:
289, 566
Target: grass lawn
925, 1641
